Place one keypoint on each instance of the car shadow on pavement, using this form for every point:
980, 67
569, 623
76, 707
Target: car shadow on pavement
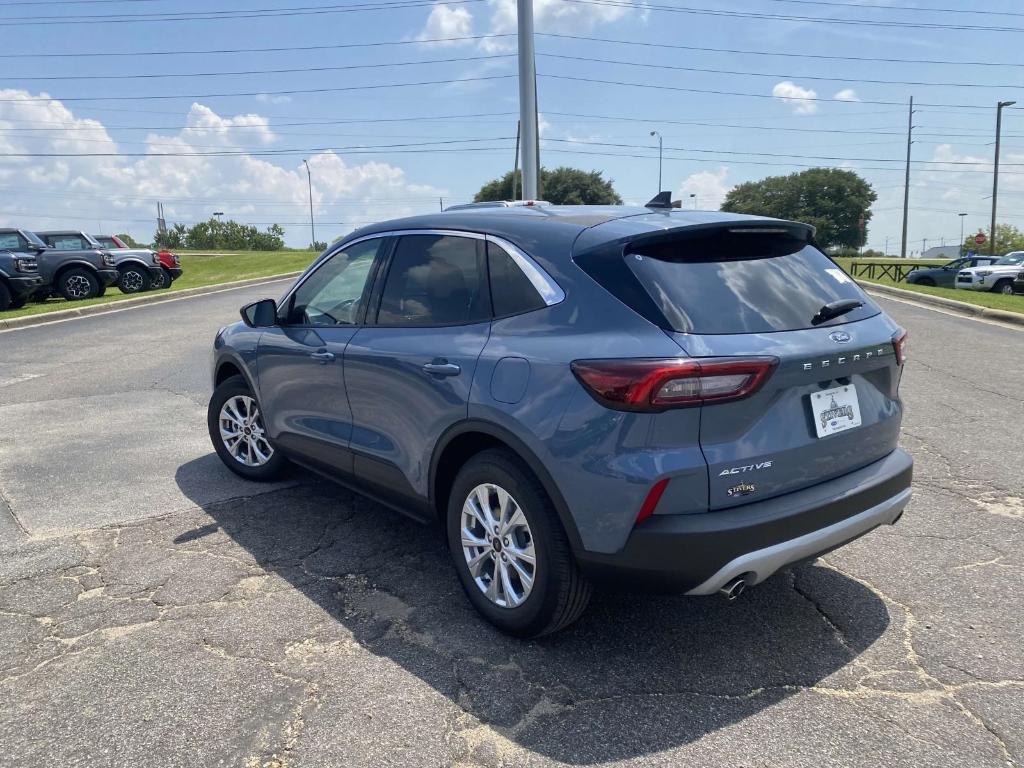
636, 675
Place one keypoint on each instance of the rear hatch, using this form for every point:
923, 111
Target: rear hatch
830, 405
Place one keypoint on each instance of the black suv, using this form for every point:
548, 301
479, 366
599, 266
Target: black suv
74, 274
19, 273
136, 268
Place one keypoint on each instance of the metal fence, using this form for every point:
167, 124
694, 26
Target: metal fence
895, 271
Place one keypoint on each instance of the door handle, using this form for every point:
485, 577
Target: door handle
323, 357
442, 367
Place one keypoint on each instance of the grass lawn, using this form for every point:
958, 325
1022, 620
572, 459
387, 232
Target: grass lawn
199, 270
978, 298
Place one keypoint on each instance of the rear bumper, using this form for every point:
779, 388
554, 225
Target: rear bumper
24, 286
698, 554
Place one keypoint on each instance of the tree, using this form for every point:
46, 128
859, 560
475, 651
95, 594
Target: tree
836, 202
1008, 238
129, 241
562, 186
222, 235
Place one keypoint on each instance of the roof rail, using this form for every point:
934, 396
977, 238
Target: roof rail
497, 204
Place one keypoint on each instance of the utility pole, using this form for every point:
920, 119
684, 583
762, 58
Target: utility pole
961, 215
886, 245
312, 230
515, 162
906, 181
528, 100
693, 196
995, 173
655, 133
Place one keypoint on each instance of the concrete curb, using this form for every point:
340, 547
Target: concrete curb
136, 301
960, 307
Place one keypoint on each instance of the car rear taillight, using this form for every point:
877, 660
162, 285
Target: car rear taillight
899, 344
645, 384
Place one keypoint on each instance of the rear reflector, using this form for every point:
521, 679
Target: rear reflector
653, 497
655, 384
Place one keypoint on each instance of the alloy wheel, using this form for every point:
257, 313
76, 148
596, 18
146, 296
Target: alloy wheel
498, 545
131, 281
78, 286
242, 432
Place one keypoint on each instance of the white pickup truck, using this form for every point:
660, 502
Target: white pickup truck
996, 277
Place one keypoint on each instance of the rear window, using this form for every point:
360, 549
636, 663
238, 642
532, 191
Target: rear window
709, 286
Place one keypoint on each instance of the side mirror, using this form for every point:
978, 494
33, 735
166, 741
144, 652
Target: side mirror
260, 314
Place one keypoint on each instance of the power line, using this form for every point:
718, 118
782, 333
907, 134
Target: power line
716, 92
771, 74
242, 13
917, 9
783, 54
289, 70
337, 89
276, 49
790, 17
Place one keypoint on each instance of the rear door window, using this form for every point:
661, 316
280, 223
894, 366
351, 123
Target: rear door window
435, 280
701, 286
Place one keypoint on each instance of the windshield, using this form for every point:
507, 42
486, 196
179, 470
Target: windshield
33, 238
1010, 259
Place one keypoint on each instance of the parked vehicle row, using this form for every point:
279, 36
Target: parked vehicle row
997, 276
76, 265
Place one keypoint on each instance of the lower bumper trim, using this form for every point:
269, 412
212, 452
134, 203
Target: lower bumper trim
759, 565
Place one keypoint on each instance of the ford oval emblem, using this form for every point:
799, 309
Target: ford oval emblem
840, 337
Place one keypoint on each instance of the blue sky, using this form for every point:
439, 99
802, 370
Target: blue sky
379, 149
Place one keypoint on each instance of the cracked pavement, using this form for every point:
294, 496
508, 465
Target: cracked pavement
155, 610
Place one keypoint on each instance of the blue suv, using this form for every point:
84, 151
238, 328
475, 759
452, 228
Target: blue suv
580, 395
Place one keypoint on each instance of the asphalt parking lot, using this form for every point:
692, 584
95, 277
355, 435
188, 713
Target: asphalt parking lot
155, 610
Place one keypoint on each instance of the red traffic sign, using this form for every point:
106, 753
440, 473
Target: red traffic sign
979, 239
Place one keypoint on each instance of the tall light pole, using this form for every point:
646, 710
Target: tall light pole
312, 230
655, 133
961, 215
528, 100
995, 172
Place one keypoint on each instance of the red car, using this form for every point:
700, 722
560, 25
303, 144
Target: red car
171, 264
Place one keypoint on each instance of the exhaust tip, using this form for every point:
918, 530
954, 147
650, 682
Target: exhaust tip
733, 589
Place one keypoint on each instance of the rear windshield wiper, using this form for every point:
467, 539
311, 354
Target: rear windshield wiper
834, 309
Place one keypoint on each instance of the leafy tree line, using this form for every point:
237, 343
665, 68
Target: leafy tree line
221, 235
561, 186
1008, 238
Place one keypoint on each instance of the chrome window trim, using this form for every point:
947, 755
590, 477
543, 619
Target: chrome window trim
545, 285
550, 291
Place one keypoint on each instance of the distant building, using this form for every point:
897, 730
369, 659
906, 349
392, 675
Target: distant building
942, 252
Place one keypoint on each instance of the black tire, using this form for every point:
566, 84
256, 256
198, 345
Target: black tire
102, 290
162, 281
1003, 286
926, 281
19, 302
559, 593
134, 279
76, 284
237, 386
5, 297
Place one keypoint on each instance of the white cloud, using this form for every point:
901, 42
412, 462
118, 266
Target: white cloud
552, 16
119, 192
710, 187
847, 94
447, 21
269, 98
796, 96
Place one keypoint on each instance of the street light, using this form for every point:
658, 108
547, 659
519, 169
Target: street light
693, 196
995, 171
961, 215
655, 133
218, 214
312, 230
